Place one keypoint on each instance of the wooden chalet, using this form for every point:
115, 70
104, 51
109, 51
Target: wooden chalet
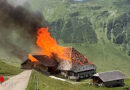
78, 68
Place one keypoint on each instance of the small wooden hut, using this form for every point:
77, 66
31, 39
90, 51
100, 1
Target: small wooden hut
109, 79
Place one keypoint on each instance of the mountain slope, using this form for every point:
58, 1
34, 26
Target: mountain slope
88, 21
7, 70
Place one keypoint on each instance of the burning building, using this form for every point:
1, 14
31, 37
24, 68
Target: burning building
66, 60
78, 68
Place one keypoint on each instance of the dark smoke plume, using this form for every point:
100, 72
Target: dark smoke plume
18, 28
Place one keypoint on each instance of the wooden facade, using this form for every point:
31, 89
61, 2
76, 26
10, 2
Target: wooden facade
81, 75
82, 72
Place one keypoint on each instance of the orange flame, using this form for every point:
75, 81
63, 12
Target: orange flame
49, 45
32, 59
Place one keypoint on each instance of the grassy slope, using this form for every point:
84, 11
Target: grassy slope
12, 61
46, 83
52, 10
7, 70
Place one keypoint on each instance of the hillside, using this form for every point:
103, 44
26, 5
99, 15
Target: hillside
91, 21
8, 70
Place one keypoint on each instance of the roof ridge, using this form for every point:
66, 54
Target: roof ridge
110, 71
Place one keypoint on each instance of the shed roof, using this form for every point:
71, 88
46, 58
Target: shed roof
110, 76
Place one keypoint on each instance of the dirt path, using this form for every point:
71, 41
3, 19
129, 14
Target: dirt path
64, 80
18, 82
88, 81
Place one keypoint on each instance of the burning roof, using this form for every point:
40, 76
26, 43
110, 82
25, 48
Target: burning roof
77, 60
51, 48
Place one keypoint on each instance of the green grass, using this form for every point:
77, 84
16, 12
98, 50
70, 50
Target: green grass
47, 83
8, 70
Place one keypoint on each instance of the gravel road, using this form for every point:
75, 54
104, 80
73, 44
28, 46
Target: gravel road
18, 82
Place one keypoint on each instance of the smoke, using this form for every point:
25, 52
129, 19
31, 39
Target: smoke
18, 26
17, 2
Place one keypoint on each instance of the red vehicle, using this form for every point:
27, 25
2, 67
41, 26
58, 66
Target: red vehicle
1, 79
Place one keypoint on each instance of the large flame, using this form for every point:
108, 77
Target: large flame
32, 59
49, 45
